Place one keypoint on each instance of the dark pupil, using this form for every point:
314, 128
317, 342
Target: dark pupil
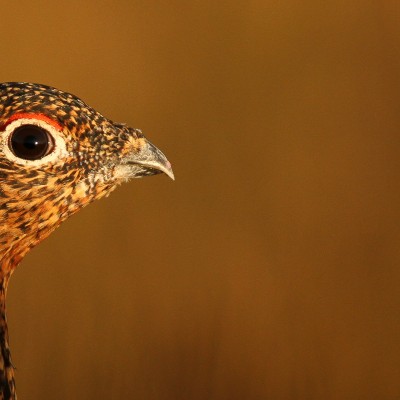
29, 142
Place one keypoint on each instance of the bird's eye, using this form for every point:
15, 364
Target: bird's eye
31, 142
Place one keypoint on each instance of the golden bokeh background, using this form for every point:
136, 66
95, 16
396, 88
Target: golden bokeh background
270, 268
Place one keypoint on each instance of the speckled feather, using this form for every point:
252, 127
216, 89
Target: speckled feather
35, 199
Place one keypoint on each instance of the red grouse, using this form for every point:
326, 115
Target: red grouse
57, 155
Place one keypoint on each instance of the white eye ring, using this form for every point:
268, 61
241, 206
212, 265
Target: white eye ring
59, 148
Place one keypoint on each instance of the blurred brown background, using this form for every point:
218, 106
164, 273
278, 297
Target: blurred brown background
270, 268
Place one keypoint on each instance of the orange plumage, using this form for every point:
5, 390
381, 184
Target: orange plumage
56, 155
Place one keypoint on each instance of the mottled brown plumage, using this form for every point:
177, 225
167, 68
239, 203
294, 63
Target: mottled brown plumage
56, 155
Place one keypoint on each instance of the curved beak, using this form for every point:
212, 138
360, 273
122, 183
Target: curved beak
148, 160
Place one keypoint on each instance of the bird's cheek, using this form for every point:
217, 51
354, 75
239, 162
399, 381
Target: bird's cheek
93, 187
82, 189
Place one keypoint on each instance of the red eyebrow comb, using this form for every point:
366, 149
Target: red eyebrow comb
40, 117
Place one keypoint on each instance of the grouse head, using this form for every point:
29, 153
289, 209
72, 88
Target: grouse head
57, 155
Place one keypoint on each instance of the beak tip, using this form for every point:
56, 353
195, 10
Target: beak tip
170, 173
168, 170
